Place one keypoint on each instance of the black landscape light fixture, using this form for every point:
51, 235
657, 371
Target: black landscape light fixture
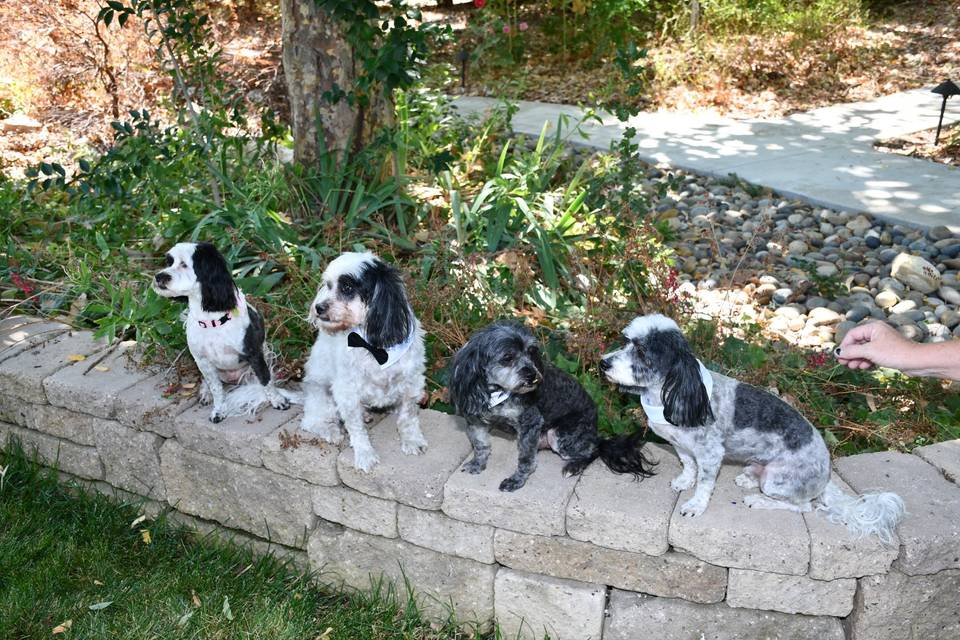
946, 89
462, 56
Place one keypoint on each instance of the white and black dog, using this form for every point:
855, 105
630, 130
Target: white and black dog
226, 336
499, 378
709, 418
369, 354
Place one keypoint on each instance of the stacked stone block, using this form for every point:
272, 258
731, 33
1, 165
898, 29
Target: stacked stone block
599, 556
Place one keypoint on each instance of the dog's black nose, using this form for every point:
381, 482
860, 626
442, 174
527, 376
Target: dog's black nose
530, 376
604, 365
162, 278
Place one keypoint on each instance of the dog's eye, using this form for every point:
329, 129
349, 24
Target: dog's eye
346, 289
169, 261
533, 350
507, 359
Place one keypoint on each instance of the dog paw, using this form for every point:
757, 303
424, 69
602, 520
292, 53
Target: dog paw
693, 508
365, 459
280, 402
512, 483
475, 466
413, 446
326, 431
681, 483
746, 481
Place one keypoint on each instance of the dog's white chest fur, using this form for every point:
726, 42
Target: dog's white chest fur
221, 345
331, 360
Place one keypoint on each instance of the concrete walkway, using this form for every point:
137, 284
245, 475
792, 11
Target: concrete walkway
824, 156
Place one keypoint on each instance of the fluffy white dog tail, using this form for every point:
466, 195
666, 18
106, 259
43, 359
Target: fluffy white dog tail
246, 399
871, 513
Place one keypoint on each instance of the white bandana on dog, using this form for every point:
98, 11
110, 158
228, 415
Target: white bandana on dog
655, 412
498, 396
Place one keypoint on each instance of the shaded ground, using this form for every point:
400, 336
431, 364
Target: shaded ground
73, 78
915, 44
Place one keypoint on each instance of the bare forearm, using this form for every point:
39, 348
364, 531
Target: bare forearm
939, 360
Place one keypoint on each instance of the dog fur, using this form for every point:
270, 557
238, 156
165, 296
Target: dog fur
360, 293
499, 378
785, 456
225, 352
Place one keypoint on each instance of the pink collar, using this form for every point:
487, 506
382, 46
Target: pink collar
225, 318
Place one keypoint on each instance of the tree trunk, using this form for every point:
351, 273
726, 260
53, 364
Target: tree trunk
316, 57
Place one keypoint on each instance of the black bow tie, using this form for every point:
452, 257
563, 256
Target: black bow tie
354, 339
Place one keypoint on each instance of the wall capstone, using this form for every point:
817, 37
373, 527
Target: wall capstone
544, 557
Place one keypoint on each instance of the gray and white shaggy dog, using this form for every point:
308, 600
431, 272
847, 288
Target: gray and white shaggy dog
499, 378
709, 418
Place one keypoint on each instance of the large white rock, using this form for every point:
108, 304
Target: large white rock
916, 273
530, 605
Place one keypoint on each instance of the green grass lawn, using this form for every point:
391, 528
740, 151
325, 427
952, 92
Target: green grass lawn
72, 559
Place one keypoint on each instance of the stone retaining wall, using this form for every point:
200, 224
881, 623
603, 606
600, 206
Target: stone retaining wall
589, 557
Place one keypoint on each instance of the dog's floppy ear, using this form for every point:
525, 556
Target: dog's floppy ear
217, 291
388, 312
685, 400
468, 379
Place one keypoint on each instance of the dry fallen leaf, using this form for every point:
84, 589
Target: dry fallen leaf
326, 634
100, 367
226, 608
145, 534
194, 598
62, 627
100, 605
76, 357
189, 385
98, 583
871, 401
185, 618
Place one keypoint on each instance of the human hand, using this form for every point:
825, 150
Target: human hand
876, 343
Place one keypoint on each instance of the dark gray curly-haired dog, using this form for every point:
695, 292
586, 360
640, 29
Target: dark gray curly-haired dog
500, 379
709, 418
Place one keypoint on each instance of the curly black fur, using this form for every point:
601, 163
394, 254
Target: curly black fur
546, 408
